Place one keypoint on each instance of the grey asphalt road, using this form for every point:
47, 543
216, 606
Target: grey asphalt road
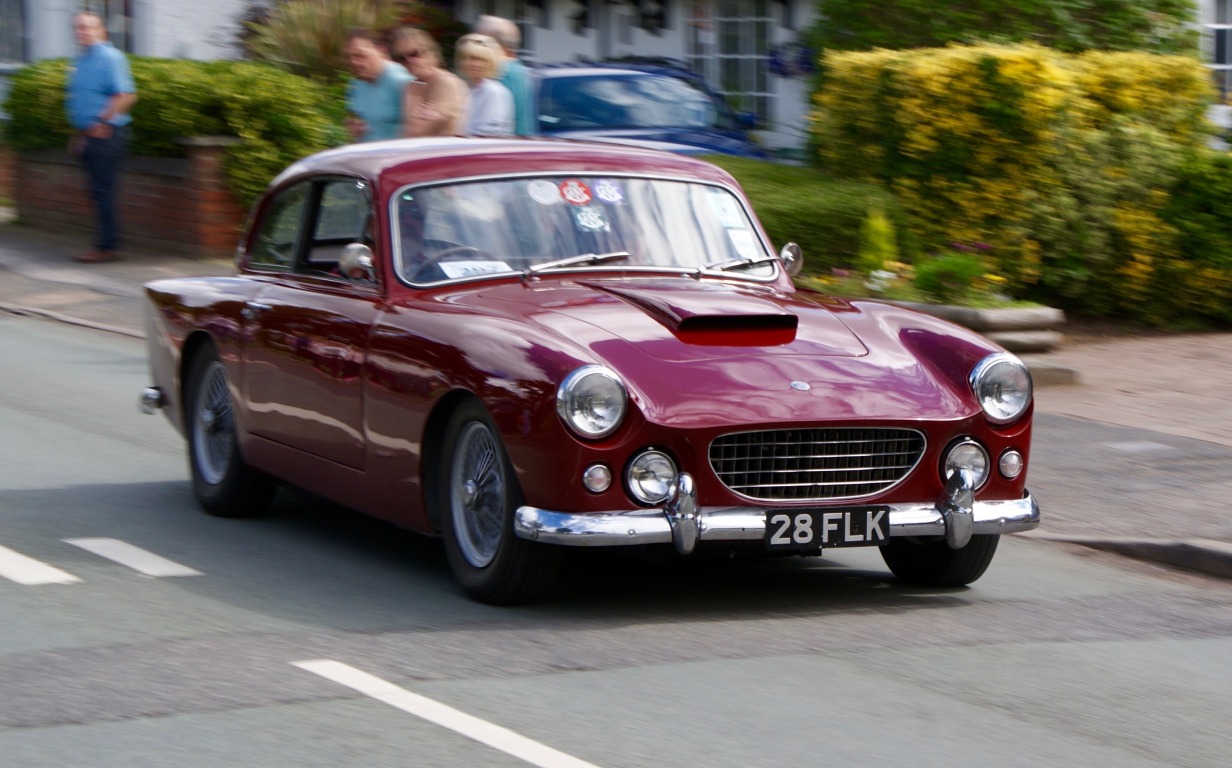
1059, 656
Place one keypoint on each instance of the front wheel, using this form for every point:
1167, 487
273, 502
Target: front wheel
480, 494
931, 563
223, 483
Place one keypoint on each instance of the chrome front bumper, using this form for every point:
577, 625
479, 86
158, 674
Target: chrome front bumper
956, 516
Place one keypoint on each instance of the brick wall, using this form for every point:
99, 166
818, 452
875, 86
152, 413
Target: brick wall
8, 172
178, 205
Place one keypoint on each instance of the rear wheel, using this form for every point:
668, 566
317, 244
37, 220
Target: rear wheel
480, 494
222, 482
932, 563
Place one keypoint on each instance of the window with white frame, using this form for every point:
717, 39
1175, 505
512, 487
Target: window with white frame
526, 13
728, 43
1219, 44
12, 22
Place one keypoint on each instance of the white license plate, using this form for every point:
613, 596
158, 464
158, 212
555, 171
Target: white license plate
814, 528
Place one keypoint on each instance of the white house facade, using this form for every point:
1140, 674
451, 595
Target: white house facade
746, 49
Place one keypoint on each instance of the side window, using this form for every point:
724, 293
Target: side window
342, 218
274, 244
344, 207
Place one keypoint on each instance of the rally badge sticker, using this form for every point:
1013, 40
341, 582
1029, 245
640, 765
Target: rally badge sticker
543, 192
575, 192
609, 192
591, 220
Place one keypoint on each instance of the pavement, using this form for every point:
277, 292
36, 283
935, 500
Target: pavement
1177, 385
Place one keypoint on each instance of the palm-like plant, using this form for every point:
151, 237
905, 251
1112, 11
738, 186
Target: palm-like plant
307, 37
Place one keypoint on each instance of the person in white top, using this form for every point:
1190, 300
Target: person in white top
477, 58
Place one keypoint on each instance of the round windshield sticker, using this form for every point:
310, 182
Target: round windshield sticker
609, 192
575, 192
543, 192
591, 220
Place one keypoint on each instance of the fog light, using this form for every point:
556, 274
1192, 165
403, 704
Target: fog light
597, 478
969, 455
650, 477
1011, 464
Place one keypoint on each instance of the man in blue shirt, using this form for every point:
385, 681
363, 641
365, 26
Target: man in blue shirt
513, 74
374, 96
99, 95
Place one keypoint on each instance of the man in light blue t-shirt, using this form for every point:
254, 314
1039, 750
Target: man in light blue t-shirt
98, 95
374, 96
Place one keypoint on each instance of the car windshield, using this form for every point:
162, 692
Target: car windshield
541, 223
628, 100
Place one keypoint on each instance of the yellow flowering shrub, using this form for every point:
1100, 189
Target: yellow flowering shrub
1064, 164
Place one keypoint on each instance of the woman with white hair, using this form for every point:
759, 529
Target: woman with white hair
491, 105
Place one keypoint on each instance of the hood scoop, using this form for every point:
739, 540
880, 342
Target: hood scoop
710, 314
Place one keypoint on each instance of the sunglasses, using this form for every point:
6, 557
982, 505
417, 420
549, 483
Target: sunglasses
409, 55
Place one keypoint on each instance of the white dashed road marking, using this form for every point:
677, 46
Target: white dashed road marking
15, 566
1141, 446
134, 557
447, 717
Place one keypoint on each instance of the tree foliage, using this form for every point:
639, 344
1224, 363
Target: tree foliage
307, 37
1158, 26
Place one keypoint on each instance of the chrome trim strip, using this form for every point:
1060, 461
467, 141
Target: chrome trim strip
651, 526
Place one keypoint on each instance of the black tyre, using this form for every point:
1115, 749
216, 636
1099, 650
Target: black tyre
932, 563
479, 493
223, 484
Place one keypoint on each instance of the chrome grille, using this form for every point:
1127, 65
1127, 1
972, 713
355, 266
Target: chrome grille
815, 464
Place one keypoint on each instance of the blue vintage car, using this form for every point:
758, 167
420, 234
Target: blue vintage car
647, 104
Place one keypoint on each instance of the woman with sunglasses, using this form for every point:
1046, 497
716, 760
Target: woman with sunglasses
491, 106
436, 101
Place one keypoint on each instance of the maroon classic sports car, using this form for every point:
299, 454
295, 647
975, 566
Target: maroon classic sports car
522, 345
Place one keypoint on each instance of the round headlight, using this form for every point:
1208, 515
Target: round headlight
650, 477
592, 401
1002, 385
969, 455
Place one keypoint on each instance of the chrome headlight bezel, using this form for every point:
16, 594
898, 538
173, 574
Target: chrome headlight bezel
1002, 386
650, 476
592, 401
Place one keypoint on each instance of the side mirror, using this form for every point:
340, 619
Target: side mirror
356, 263
793, 259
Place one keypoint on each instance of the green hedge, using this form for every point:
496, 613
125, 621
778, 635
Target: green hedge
823, 215
278, 117
1066, 165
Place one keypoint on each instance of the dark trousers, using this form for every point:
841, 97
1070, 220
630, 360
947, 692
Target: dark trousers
101, 160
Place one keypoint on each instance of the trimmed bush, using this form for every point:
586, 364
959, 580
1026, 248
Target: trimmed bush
821, 214
1064, 164
279, 117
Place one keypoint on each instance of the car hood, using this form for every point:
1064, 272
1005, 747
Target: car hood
681, 141
697, 352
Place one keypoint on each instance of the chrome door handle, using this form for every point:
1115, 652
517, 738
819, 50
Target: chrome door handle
254, 308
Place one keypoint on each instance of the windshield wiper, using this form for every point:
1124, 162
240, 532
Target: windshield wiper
585, 258
727, 266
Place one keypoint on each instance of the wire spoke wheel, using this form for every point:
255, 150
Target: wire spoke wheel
478, 493
477, 497
223, 483
214, 425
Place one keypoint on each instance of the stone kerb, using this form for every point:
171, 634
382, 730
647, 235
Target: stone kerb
1027, 329
177, 205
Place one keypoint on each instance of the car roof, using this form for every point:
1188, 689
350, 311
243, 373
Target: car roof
399, 162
